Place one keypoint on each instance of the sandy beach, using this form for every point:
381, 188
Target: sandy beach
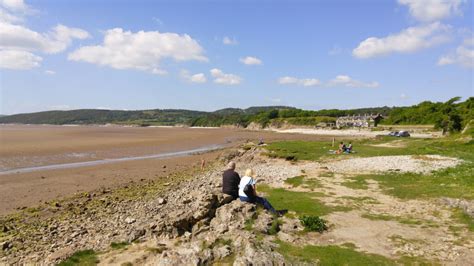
29, 146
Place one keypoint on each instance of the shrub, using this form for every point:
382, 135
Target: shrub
313, 223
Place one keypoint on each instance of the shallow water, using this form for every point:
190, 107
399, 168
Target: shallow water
114, 160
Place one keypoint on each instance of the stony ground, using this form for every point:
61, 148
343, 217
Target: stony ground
193, 223
404, 163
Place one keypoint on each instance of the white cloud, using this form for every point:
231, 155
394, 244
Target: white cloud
463, 56
403, 96
49, 72
308, 82
18, 60
250, 60
21, 38
432, 10
346, 81
409, 40
14, 5
17, 42
223, 78
196, 78
229, 41
288, 80
8, 17
141, 50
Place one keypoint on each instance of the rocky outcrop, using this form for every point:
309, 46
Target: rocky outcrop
190, 223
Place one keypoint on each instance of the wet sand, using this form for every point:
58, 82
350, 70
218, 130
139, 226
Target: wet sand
31, 146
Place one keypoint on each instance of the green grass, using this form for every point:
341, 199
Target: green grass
356, 183
341, 255
119, 245
303, 182
303, 203
82, 258
275, 227
386, 217
330, 255
454, 182
295, 181
464, 218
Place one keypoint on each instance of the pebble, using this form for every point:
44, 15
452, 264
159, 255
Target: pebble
130, 220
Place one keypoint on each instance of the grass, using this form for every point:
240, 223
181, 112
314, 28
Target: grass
303, 203
386, 217
295, 181
220, 242
275, 227
454, 182
464, 218
83, 258
119, 245
356, 183
341, 255
302, 181
330, 255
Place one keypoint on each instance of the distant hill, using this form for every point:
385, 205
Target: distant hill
138, 117
452, 115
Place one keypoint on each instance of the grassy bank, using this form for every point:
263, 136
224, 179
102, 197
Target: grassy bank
454, 182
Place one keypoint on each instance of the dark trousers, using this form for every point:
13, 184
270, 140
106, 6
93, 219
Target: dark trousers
260, 201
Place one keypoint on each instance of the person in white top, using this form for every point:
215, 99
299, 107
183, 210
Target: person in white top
248, 179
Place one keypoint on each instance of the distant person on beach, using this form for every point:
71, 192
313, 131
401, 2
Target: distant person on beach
230, 181
342, 148
349, 148
248, 179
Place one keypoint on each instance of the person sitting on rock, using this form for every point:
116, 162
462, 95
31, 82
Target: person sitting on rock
249, 194
230, 181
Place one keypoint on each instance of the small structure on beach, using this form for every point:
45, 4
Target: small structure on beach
366, 121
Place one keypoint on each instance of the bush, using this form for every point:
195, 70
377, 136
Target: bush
313, 223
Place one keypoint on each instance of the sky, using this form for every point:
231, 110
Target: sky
208, 55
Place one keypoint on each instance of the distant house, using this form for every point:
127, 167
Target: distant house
358, 120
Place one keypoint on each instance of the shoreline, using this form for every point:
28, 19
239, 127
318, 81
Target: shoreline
208, 148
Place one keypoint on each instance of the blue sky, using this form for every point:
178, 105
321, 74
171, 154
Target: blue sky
207, 55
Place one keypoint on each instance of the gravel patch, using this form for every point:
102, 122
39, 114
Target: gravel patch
407, 163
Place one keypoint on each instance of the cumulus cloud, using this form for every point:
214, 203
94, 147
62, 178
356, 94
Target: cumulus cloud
195, 78
250, 60
432, 10
18, 60
409, 40
21, 38
142, 50
223, 78
308, 82
346, 81
18, 42
14, 5
229, 41
463, 56
49, 72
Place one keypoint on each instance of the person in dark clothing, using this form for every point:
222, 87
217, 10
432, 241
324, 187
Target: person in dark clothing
230, 181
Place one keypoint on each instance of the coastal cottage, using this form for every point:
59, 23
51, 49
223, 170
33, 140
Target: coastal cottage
366, 121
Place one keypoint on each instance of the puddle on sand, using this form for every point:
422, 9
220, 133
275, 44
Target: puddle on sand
115, 160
